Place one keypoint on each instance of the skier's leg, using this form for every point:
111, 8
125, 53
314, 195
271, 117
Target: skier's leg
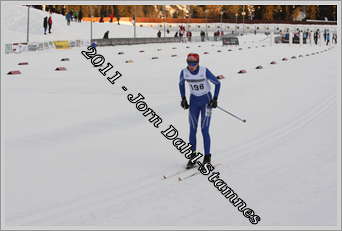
194, 112
205, 124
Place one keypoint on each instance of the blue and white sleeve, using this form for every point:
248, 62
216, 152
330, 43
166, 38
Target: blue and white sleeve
181, 85
212, 78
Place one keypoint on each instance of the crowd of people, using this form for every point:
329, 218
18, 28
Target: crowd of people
47, 24
70, 16
326, 37
181, 32
73, 15
309, 36
186, 35
218, 34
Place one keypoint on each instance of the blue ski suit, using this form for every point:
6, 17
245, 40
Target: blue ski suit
200, 97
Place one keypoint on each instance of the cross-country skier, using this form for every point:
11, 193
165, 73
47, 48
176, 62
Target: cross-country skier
201, 101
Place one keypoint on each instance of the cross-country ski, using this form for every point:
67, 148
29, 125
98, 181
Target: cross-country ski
182, 178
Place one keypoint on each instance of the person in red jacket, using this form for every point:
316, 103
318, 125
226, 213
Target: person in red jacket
189, 35
50, 24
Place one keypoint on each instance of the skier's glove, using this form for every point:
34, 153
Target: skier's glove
184, 103
213, 103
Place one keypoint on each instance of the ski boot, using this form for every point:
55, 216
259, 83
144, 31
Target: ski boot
190, 165
207, 159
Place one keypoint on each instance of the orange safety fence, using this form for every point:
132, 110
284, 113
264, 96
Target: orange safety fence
105, 19
149, 20
200, 20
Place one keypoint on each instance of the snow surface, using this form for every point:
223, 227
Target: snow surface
76, 152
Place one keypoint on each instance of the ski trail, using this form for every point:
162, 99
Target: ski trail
267, 139
106, 198
274, 135
81, 203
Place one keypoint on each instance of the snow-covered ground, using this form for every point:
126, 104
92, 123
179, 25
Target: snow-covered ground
75, 151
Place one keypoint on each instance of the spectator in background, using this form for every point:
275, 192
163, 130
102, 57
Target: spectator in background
75, 16
50, 24
189, 35
176, 34
181, 34
310, 36
106, 35
202, 35
334, 38
68, 18
93, 44
316, 36
305, 37
215, 35
80, 15
327, 38
72, 15
159, 34
45, 24
168, 31
295, 37
325, 35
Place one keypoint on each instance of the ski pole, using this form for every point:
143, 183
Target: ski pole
242, 120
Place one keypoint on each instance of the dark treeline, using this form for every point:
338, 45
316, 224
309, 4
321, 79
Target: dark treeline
259, 12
